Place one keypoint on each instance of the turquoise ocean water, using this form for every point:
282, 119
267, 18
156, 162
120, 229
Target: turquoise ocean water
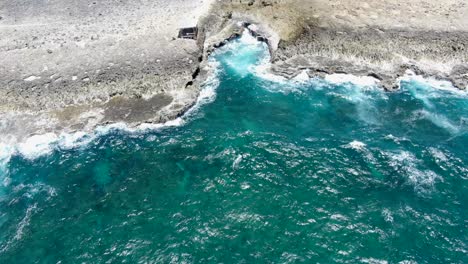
261, 171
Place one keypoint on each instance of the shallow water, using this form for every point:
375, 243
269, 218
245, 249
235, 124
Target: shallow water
268, 171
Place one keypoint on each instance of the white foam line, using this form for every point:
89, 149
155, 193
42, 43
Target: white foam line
262, 70
432, 82
6, 151
341, 78
440, 121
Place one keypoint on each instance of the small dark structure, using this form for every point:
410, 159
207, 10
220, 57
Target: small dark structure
188, 33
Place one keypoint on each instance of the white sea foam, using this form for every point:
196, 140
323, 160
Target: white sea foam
302, 77
340, 78
432, 82
37, 145
208, 93
387, 215
407, 262
20, 228
439, 120
438, 155
147, 126
364, 98
373, 261
247, 38
361, 147
262, 70
395, 139
236, 162
24, 222
429, 89
253, 27
357, 145
242, 53
73, 140
6, 151
407, 164
40, 145
442, 122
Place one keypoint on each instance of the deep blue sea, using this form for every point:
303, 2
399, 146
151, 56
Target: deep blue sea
262, 170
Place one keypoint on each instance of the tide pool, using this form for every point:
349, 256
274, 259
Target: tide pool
262, 170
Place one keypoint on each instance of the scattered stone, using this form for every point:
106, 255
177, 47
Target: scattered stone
32, 78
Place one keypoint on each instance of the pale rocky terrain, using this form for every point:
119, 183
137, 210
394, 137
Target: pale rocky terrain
69, 65
445, 15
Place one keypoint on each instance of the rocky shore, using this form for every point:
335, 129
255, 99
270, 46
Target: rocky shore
383, 54
365, 38
72, 65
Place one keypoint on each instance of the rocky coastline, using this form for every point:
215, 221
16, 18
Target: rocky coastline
441, 55
125, 63
323, 44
